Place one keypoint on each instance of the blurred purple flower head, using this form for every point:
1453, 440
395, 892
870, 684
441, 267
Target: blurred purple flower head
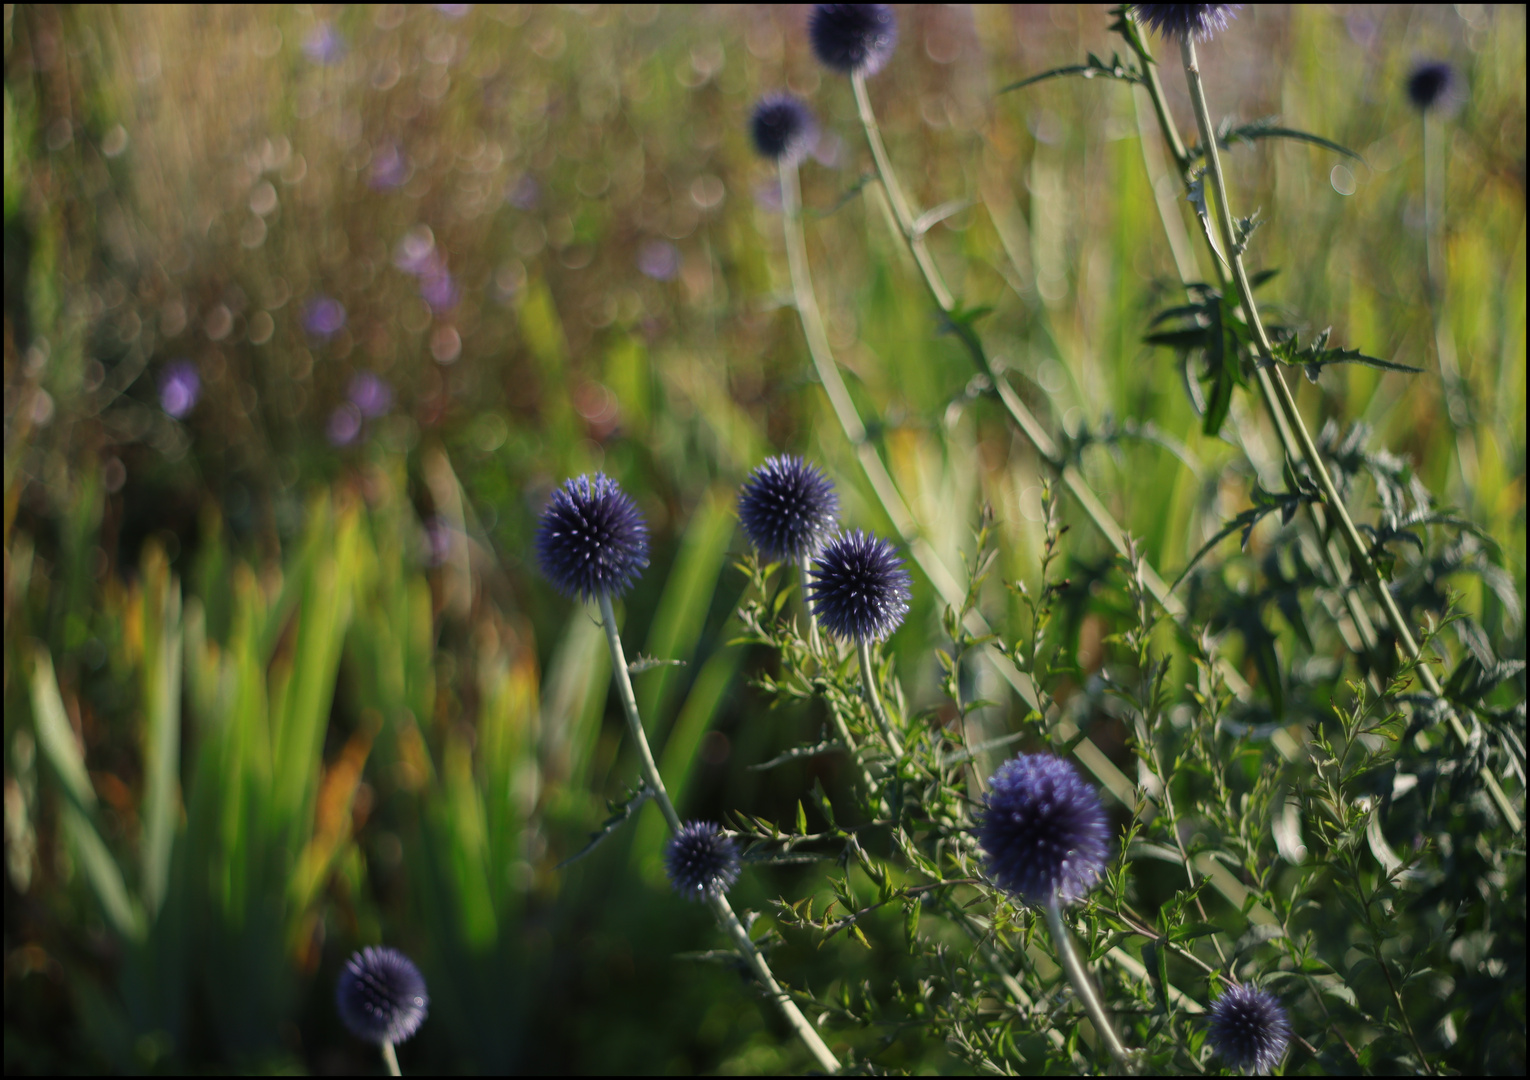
324, 45
1199, 22
438, 289
782, 128
324, 317
1432, 83
416, 251
453, 11
389, 167
438, 540
370, 393
659, 259
524, 194
853, 37
179, 387
344, 425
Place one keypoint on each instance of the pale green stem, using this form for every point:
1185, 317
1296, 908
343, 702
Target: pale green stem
390, 1059
874, 699
1359, 553
1083, 985
815, 643
1365, 631
719, 903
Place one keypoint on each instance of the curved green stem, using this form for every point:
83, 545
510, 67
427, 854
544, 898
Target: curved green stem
1083, 985
1359, 553
815, 643
874, 699
719, 903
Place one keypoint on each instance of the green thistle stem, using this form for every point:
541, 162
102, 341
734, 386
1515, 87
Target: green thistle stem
873, 699
719, 903
390, 1059
1083, 985
1359, 553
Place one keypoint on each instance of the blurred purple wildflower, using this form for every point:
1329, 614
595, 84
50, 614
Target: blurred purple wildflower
370, 393
453, 11
389, 167
438, 289
344, 425
324, 45
659, 260
324, 317
524, 194
416, 251
179, 387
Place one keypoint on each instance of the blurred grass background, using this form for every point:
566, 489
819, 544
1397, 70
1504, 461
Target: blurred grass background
280, 677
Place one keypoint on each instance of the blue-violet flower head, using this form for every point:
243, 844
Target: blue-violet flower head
853, 37
701, 861
1043, 830
1197, 21
381, 995
1431, 83
592, 541
783, 128
179, 388
860, 589
1249, 1028
787, 508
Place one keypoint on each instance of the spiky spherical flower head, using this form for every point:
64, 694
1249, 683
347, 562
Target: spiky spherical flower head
1431, 84
853, 37
860, 590
787, 508
1043, 830
381, 995
783, 128
1197, 21
592, 541
1249, 1028
701, 861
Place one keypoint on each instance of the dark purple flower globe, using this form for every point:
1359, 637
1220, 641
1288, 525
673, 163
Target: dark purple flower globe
787, 508
1043, 830
783, 128
1197, 21
324, 317
860, 590
592, 541
179, 388
701, 861
1430, 84
381, 995
1249, 1028
853, 37
370, 393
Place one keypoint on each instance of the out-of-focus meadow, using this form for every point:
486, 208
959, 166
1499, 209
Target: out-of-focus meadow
308, 308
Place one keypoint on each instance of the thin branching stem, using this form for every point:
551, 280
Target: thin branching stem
1359, 553
719, 903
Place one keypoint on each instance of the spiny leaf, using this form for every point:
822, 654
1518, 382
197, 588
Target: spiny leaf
1268, 129
1095, 68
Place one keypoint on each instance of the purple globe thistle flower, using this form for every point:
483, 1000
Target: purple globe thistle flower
1249, 1028
1043, 830
783, 128
324, 45
324, 317
701, 861
860, 588
438, 289
853, 37
381, 995
389, 167
1431, 83
592, 541
179, 388
787, 508
370, 393
1197, 21
344, 425
659, 260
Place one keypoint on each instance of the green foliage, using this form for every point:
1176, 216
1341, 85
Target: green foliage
271, 695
